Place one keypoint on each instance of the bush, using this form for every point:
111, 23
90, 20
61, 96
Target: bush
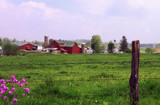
128, 51
111, 46
149, 50
10, 49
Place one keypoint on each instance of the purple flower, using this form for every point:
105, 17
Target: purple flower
23, 80
27, 90
5, 88
12, 77
15, 99
23, 94
21, 85
13, 89
2, 85
3, 81
8, 81
3, 91
11, 102
18, 82
5, 98
26, 83
15, 80
10, 92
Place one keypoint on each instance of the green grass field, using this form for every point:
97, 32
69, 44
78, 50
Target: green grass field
95, 79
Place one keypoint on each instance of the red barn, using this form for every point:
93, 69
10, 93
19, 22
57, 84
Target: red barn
65, 46
27, 46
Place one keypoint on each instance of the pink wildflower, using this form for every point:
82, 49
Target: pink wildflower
5, 88
10, 92
15, 80
2, 85
21, 85
3, 91
12, 77
2, 81
23, 80
15, 99
13, 89
27, 90
8, 81
18, 82
26, 83
5, 98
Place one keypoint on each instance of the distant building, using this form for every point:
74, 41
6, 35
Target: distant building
64, 46
28, 46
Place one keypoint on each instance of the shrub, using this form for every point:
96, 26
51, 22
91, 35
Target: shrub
149, 50
128, 51
10, 49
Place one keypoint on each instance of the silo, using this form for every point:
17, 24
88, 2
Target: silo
46, 41
83, 48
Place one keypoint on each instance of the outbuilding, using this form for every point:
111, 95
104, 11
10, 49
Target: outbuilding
64, 46
28, 46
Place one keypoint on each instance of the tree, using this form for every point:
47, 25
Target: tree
0, 42
123, 44
96, 43
10, 49
111, 46
88, 44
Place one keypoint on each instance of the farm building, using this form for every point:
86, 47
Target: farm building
28, 46
63, 46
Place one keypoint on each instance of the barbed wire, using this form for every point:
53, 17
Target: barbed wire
123, 62
91, 95
118, 79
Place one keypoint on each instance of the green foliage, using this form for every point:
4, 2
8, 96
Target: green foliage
111, 47
0, 42
96, 43
128, 50
10, 49
124, 44
88, 44
149, 50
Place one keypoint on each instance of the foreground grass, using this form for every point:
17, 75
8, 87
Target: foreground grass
83, 79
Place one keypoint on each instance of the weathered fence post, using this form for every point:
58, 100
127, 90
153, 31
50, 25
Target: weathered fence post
134, 78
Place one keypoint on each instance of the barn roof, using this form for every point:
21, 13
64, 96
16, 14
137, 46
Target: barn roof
66, 43
21, 44
18, 44
36, 44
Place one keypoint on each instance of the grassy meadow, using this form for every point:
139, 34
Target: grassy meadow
95, 79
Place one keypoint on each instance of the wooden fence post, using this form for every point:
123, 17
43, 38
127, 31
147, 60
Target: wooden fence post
134, 78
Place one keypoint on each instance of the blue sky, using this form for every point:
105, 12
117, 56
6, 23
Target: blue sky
80, 19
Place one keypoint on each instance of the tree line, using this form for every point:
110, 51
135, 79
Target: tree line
98, 47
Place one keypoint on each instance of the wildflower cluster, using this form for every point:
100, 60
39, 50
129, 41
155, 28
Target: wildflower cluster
10, 87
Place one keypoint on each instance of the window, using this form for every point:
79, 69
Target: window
33, 48
27, 48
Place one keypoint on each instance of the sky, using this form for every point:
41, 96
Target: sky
81, 19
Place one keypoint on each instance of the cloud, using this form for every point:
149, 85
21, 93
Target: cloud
95, 7
137, 19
